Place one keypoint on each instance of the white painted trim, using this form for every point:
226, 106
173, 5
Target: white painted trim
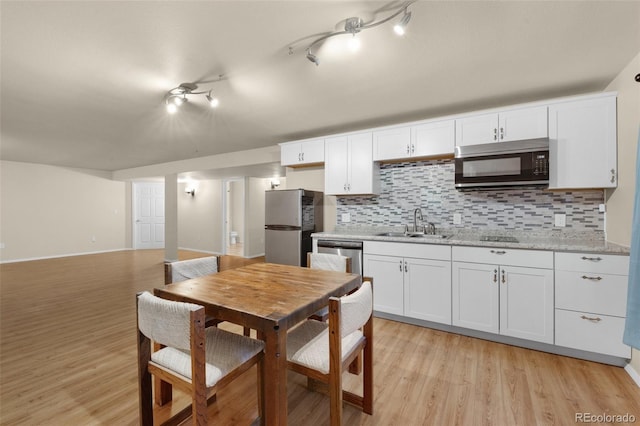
635, 376
28, 259
214, 253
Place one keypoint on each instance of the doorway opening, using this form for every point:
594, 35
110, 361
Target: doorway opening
233, 233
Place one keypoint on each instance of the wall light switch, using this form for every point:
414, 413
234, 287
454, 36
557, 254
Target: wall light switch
561, 220
346, 217
2, 245
457, 218
602, 208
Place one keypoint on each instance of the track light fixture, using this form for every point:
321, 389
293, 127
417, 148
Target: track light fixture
179, 95
354, 25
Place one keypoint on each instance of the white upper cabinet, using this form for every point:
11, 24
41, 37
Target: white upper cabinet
508, 125
349, 168
391, 144
421, 140
582, 144
302, 153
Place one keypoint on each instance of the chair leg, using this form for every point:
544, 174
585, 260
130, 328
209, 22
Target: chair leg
247, 331
367, 377
260, 382
335, 397
144, 381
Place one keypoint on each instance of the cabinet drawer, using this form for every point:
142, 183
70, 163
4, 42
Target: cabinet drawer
603, 336
503, 256
593, 262
422, 251
604, 294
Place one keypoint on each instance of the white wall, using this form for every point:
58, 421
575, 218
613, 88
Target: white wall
621, 200
48, 211
200, 217
254, 215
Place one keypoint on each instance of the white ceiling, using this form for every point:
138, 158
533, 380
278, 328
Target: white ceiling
83, 82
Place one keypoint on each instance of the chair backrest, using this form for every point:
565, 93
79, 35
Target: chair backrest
164, 321
186, 269
356, 309
329, 262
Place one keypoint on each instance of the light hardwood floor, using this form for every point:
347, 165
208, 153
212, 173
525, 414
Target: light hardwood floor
68, 354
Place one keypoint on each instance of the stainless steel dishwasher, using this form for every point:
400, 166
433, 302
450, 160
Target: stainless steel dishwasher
352, 249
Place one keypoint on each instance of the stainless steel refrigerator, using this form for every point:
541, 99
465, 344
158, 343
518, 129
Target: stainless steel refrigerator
291, 216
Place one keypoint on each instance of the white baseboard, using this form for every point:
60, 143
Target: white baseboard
28, 259
635, 376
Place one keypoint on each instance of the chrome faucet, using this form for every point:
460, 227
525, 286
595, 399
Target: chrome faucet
416, 213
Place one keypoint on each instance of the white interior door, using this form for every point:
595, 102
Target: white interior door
148, 215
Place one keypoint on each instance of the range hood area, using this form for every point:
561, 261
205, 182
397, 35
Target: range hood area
502, 164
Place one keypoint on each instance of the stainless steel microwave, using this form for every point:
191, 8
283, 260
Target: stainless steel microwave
500, 164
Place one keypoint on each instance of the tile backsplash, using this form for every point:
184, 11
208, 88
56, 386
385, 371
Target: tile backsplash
429, 185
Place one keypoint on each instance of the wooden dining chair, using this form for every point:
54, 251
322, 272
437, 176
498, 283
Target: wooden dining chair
186, 269
323, 351
193, 358
327, 262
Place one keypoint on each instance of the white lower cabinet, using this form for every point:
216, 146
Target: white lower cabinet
591, 302
412, 280
506, 296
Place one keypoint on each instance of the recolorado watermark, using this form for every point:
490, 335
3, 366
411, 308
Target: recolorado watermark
605, 418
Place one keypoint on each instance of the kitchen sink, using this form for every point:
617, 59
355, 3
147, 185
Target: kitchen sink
412, 235
430, 236
391, 234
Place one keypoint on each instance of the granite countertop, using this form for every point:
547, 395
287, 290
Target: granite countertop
556, 241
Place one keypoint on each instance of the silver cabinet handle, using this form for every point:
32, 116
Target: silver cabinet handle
401, 266
592, 319
408, 149
501, 133
584, 277
613, 175
495, 275
593, 259
495, 134
406, 267
498, 252
413, 148
303, 156
504, 280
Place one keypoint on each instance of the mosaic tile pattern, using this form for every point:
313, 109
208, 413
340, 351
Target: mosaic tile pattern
430, 186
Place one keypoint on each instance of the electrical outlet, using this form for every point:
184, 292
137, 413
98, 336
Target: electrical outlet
2, 245
602, 208
560, 220
457, 219
93, 238
346, 217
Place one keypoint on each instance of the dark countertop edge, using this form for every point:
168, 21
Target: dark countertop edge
559, 244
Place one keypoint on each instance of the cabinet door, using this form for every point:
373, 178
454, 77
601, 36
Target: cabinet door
361, 171
312, 151
290, 154
336, 153
582, 144
526, 303
388, 289
433, 139
477, 129
475, 297
427, 286
392, 144
524, 123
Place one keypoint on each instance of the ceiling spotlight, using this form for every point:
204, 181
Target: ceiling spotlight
179, 95
400, 27
355, 25
312, 57
213, 102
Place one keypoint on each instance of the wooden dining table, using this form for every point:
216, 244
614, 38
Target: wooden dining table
271, 299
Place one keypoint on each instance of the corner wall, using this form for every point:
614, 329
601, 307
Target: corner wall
200, 217
48, 211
